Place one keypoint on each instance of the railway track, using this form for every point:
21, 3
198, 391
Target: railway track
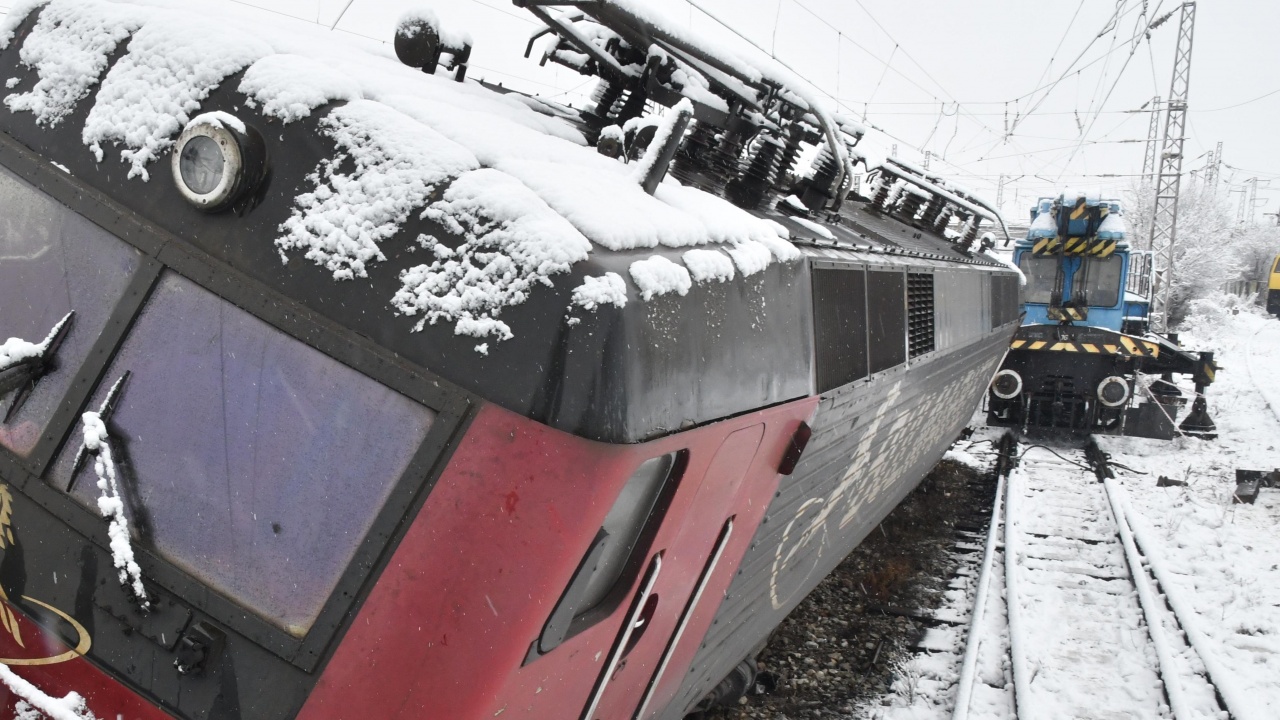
1070, 619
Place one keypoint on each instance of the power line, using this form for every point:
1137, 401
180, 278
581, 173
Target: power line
1056, 149
1246, 102
1111, 26
989, 114
904, 50
888, 64
1054, 55
1092, 121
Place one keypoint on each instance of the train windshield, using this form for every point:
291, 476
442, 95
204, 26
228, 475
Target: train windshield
53, 263
1041, 272
1102, 280
238, 448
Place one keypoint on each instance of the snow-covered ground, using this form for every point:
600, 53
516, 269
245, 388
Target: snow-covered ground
1217, 561
1222, 558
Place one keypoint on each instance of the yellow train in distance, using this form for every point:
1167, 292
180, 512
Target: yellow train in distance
1273, 288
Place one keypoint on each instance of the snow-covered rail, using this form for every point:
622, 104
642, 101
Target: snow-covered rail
1087, 632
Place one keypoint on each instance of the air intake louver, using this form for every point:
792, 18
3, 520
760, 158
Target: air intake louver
920, 313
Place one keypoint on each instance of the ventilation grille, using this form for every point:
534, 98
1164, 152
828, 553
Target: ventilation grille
920, 313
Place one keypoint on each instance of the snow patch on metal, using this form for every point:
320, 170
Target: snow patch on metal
289, 87
172, 64
512, 241
608, 289
659, 276
708, 265
397, 162
68, 49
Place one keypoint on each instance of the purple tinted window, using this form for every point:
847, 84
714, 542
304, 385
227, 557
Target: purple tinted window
251, 460
52, 261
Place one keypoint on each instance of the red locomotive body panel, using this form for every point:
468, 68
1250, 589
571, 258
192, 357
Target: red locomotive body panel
445, 632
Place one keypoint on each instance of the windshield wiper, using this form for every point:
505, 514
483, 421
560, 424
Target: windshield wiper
23, 364
105, 411
97, 442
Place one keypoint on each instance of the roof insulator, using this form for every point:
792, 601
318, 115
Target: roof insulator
659, 159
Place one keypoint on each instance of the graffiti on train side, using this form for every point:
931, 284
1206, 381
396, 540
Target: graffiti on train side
889, 447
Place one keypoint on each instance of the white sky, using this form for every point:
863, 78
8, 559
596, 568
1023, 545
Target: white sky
939, 76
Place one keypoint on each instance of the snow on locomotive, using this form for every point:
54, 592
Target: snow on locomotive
337, 388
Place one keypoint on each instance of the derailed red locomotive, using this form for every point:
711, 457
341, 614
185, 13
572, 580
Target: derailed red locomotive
336, 388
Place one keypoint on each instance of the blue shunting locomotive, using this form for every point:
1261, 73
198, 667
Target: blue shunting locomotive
1075, 364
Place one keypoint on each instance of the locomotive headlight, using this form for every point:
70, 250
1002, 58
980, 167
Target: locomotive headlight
1113, 391
201, 165
217, 160
1006, 385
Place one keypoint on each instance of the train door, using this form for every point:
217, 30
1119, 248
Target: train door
676, 574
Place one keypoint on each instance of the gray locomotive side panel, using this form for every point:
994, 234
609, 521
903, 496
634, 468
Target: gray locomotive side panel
957, 299
873, 441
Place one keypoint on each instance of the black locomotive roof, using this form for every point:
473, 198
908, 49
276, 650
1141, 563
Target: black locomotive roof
471, 232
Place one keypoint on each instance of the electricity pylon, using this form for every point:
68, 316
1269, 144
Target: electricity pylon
1211, 171
1164, 217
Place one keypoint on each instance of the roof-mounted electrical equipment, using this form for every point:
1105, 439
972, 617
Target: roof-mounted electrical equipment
750, 124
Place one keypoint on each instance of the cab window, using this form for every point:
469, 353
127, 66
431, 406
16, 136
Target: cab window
247, 458
1041, 272
1102, 280
52, 263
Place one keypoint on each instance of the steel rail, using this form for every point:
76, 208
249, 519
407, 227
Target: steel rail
969, 666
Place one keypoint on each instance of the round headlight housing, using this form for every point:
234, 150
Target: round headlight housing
1006, 385
217, 160
1113, 391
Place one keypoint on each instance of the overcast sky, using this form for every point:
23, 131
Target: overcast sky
952, 77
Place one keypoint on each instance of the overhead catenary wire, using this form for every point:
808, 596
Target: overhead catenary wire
1054, 55
1049, 91
897, 46
1085, 133
1241, 104
888, 64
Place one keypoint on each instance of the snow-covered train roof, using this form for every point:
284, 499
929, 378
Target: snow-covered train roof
408, 135
425, 213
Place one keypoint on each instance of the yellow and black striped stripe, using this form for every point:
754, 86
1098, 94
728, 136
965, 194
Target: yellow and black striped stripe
1046, 246
1127, 346
1102, 248
1079, 210
1075, 246
1067, 313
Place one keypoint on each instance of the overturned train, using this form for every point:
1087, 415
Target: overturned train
321, 406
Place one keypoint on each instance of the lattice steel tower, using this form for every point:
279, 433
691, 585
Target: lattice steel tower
1153, 139
1164, 220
